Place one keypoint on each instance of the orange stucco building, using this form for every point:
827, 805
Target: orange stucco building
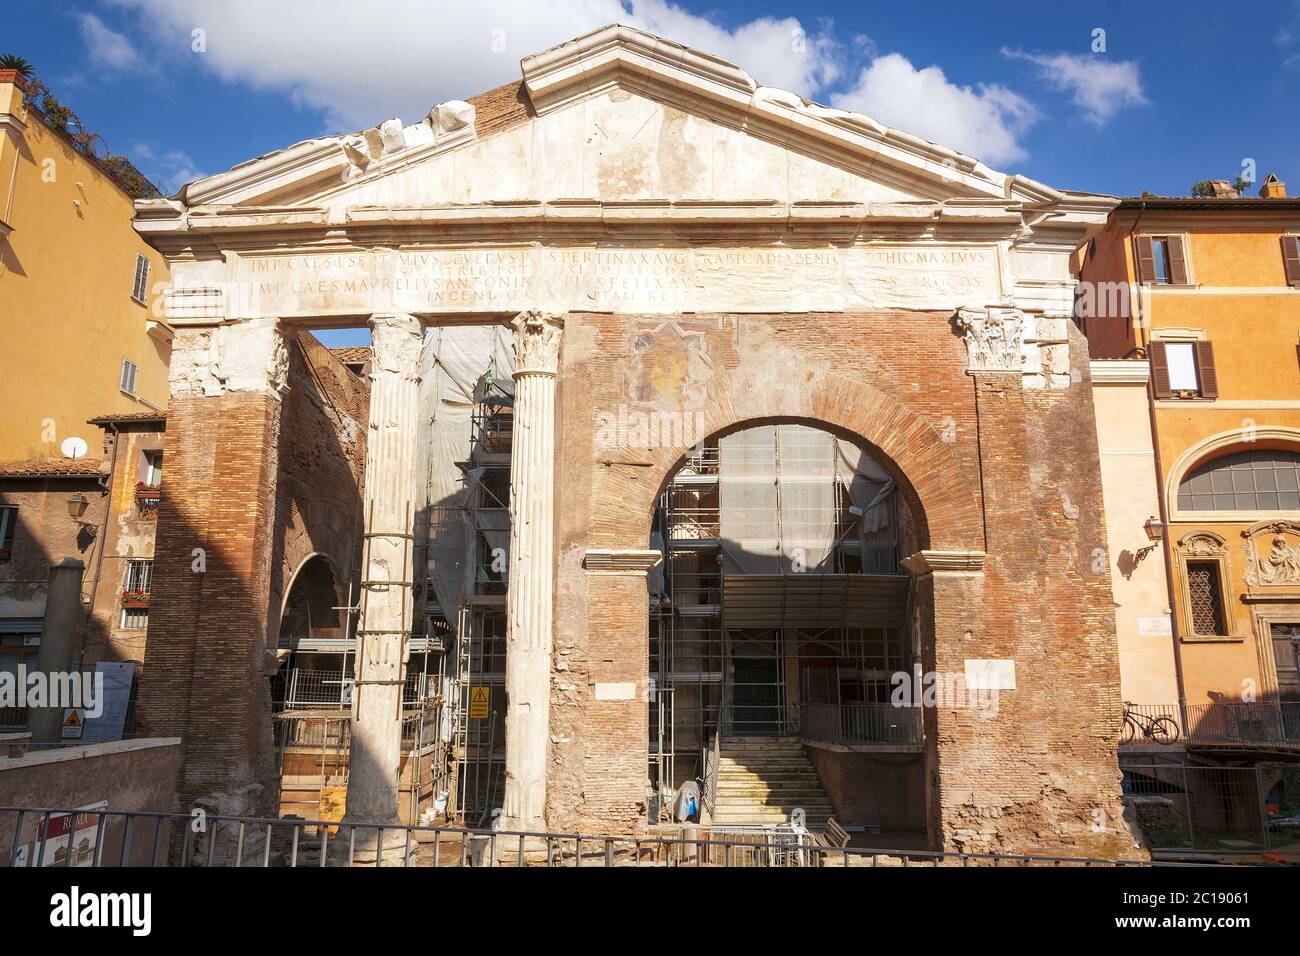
1194, 304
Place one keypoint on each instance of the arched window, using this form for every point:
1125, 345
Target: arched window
1265, 480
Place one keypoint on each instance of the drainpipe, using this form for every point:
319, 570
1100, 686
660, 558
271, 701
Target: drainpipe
1163, 504
103, 542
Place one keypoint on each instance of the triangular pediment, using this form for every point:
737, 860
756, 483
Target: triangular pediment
618, 116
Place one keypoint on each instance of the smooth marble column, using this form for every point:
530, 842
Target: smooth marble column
532, 560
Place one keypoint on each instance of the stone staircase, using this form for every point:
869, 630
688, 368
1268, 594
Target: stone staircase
762, 779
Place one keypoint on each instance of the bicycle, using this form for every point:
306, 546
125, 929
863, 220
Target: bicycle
1161, 729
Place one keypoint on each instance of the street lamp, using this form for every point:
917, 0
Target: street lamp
1155, 529
77, 506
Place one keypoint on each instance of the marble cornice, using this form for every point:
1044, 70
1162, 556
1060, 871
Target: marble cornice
979, 221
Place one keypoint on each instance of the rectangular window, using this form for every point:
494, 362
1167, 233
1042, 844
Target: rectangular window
139, 575
127, 383
135, 594
1160, 251
15, 653
8, 521
1183, 369
1182, 366
134, 618
1205, 596
153, 468
1161, 260
1286, 659
1291, 260
141, 287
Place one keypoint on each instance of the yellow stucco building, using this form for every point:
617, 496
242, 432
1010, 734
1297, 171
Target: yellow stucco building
77, 291
1192, 312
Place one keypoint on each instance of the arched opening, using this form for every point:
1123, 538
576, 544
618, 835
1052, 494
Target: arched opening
779, 618
312, 641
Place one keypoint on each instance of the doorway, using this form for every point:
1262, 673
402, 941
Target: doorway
757, 694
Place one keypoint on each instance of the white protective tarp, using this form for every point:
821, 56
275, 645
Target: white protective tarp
778, 503
776, 498
452, 365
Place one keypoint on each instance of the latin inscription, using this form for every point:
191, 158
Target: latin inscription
604, 279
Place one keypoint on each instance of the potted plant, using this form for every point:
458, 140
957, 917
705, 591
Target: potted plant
146, 498
135, 599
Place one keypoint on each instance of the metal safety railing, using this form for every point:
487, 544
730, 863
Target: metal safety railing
315, 689
860, 723
307, 730
107, 838
1270, 725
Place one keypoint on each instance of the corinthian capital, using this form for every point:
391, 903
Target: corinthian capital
994, 337
395, 340
537, 342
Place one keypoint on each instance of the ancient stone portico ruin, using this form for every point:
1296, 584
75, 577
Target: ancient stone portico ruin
676, 256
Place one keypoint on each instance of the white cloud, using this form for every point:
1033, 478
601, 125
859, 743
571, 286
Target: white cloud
170, 171
1098, 86
362, 62
986, 121
107, 49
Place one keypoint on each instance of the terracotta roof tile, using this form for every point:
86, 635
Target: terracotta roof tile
128, 417
352, 353
52, 468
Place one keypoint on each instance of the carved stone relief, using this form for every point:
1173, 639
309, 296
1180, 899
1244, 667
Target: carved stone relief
1272, 554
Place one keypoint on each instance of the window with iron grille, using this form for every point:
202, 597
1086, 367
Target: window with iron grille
141, 287
135, 618
139, 575
17, 651
1206, 599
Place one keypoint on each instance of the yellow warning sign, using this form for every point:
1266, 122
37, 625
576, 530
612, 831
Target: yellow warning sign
479, 698
72, 723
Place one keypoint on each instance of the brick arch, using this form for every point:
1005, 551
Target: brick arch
317, 528
335, 579
935, 484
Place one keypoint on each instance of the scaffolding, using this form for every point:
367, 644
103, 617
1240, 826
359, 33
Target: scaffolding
469, 406
779, 588
478, 723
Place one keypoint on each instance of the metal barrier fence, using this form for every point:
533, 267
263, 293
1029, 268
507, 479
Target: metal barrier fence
1187, 807
105, 838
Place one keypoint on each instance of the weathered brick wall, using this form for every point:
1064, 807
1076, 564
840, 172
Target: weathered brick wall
211, 646
984, 465
894, 381
322, 462
1041, 774
128, 535
205, 659
45, 535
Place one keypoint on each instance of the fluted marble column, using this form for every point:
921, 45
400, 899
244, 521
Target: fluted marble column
532, 550
387, 574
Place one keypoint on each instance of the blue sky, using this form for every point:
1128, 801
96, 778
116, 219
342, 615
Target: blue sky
1177, 91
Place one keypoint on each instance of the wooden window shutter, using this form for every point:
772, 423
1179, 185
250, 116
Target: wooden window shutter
1205, 370
1159, 370
1177, 261
1291, 259
1146, 259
